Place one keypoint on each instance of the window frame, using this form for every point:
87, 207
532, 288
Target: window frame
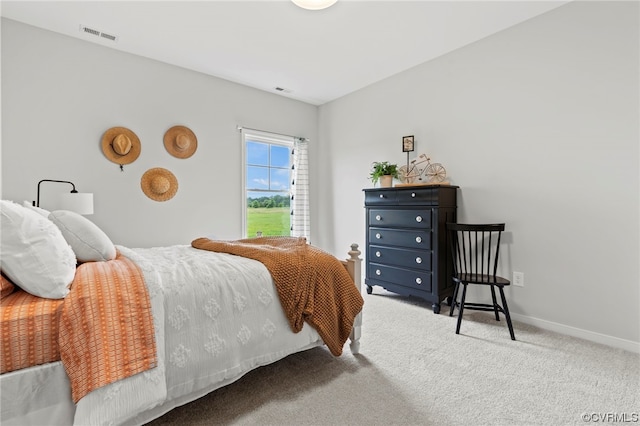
263, 137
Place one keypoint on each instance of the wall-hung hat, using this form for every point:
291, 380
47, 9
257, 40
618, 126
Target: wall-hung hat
121, 145
159, 184
180, 141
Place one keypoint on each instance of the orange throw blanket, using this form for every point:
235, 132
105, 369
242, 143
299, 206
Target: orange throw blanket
106, 326
312, 285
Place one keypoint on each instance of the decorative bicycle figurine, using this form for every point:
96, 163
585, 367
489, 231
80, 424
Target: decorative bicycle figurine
421, 170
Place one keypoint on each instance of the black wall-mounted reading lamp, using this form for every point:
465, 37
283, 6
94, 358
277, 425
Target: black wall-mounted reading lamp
81, 203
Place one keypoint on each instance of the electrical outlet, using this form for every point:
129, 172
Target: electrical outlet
518, 279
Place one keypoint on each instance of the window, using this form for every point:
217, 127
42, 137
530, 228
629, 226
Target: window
268, 164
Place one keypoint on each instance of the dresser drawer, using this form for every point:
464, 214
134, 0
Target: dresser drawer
419, 259
414, 238
406, 277
420, 219
419, 196
380, 197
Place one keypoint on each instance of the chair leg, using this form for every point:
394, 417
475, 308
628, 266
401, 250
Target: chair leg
495, 303
506, 313
454, 299
460, 311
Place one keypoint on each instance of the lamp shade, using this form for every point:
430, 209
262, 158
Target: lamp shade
79, 202
314, 4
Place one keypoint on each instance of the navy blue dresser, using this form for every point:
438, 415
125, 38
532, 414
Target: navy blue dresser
407, 248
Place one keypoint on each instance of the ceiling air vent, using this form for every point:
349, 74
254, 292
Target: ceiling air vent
97, 33
282, 89
90, 31
108, 36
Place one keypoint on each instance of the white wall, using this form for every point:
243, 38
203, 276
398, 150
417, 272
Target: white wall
539, 126
60, 94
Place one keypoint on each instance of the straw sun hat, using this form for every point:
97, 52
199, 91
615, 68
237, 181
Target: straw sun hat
120, 145
180, 141
159, 184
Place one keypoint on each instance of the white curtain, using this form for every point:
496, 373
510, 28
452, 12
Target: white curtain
300, 226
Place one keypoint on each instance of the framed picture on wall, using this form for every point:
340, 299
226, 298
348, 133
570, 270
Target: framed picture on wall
407, 143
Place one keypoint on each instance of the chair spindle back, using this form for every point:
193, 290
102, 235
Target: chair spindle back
475, 249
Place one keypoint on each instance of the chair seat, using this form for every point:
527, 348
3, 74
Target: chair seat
482, 279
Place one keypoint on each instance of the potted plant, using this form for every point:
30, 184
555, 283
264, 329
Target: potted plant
385, 172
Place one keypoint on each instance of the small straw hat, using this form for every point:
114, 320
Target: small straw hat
180, 141
159, 184
120, 145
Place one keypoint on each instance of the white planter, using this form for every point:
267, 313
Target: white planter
386, 181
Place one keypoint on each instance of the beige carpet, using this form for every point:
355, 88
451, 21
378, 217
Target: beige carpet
414, 370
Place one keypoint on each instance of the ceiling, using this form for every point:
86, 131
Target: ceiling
315, 56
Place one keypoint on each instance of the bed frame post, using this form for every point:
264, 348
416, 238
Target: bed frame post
354, 265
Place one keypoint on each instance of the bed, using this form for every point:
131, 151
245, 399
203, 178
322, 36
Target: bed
206, 316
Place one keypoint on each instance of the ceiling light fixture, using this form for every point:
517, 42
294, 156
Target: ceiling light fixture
314, 4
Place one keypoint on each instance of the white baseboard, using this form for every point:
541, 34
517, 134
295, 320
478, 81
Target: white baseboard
604, 339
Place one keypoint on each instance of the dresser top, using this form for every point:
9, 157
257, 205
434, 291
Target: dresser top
410, 188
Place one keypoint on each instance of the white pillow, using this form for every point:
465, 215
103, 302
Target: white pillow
33, 253
39, 210
88, 241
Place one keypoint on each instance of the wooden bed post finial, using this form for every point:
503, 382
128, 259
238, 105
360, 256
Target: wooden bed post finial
354, 252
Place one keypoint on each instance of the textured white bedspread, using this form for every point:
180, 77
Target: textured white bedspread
216, 317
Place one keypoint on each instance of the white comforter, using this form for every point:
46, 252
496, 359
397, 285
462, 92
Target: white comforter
216, 317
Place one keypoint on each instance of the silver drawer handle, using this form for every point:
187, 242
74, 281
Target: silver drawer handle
413, 195
418, 280
381, 195
378, 236
378, 254
378, 272
418, 219
378, 217
418, 260
418, 239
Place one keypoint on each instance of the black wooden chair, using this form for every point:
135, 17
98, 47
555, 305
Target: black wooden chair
475, 250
